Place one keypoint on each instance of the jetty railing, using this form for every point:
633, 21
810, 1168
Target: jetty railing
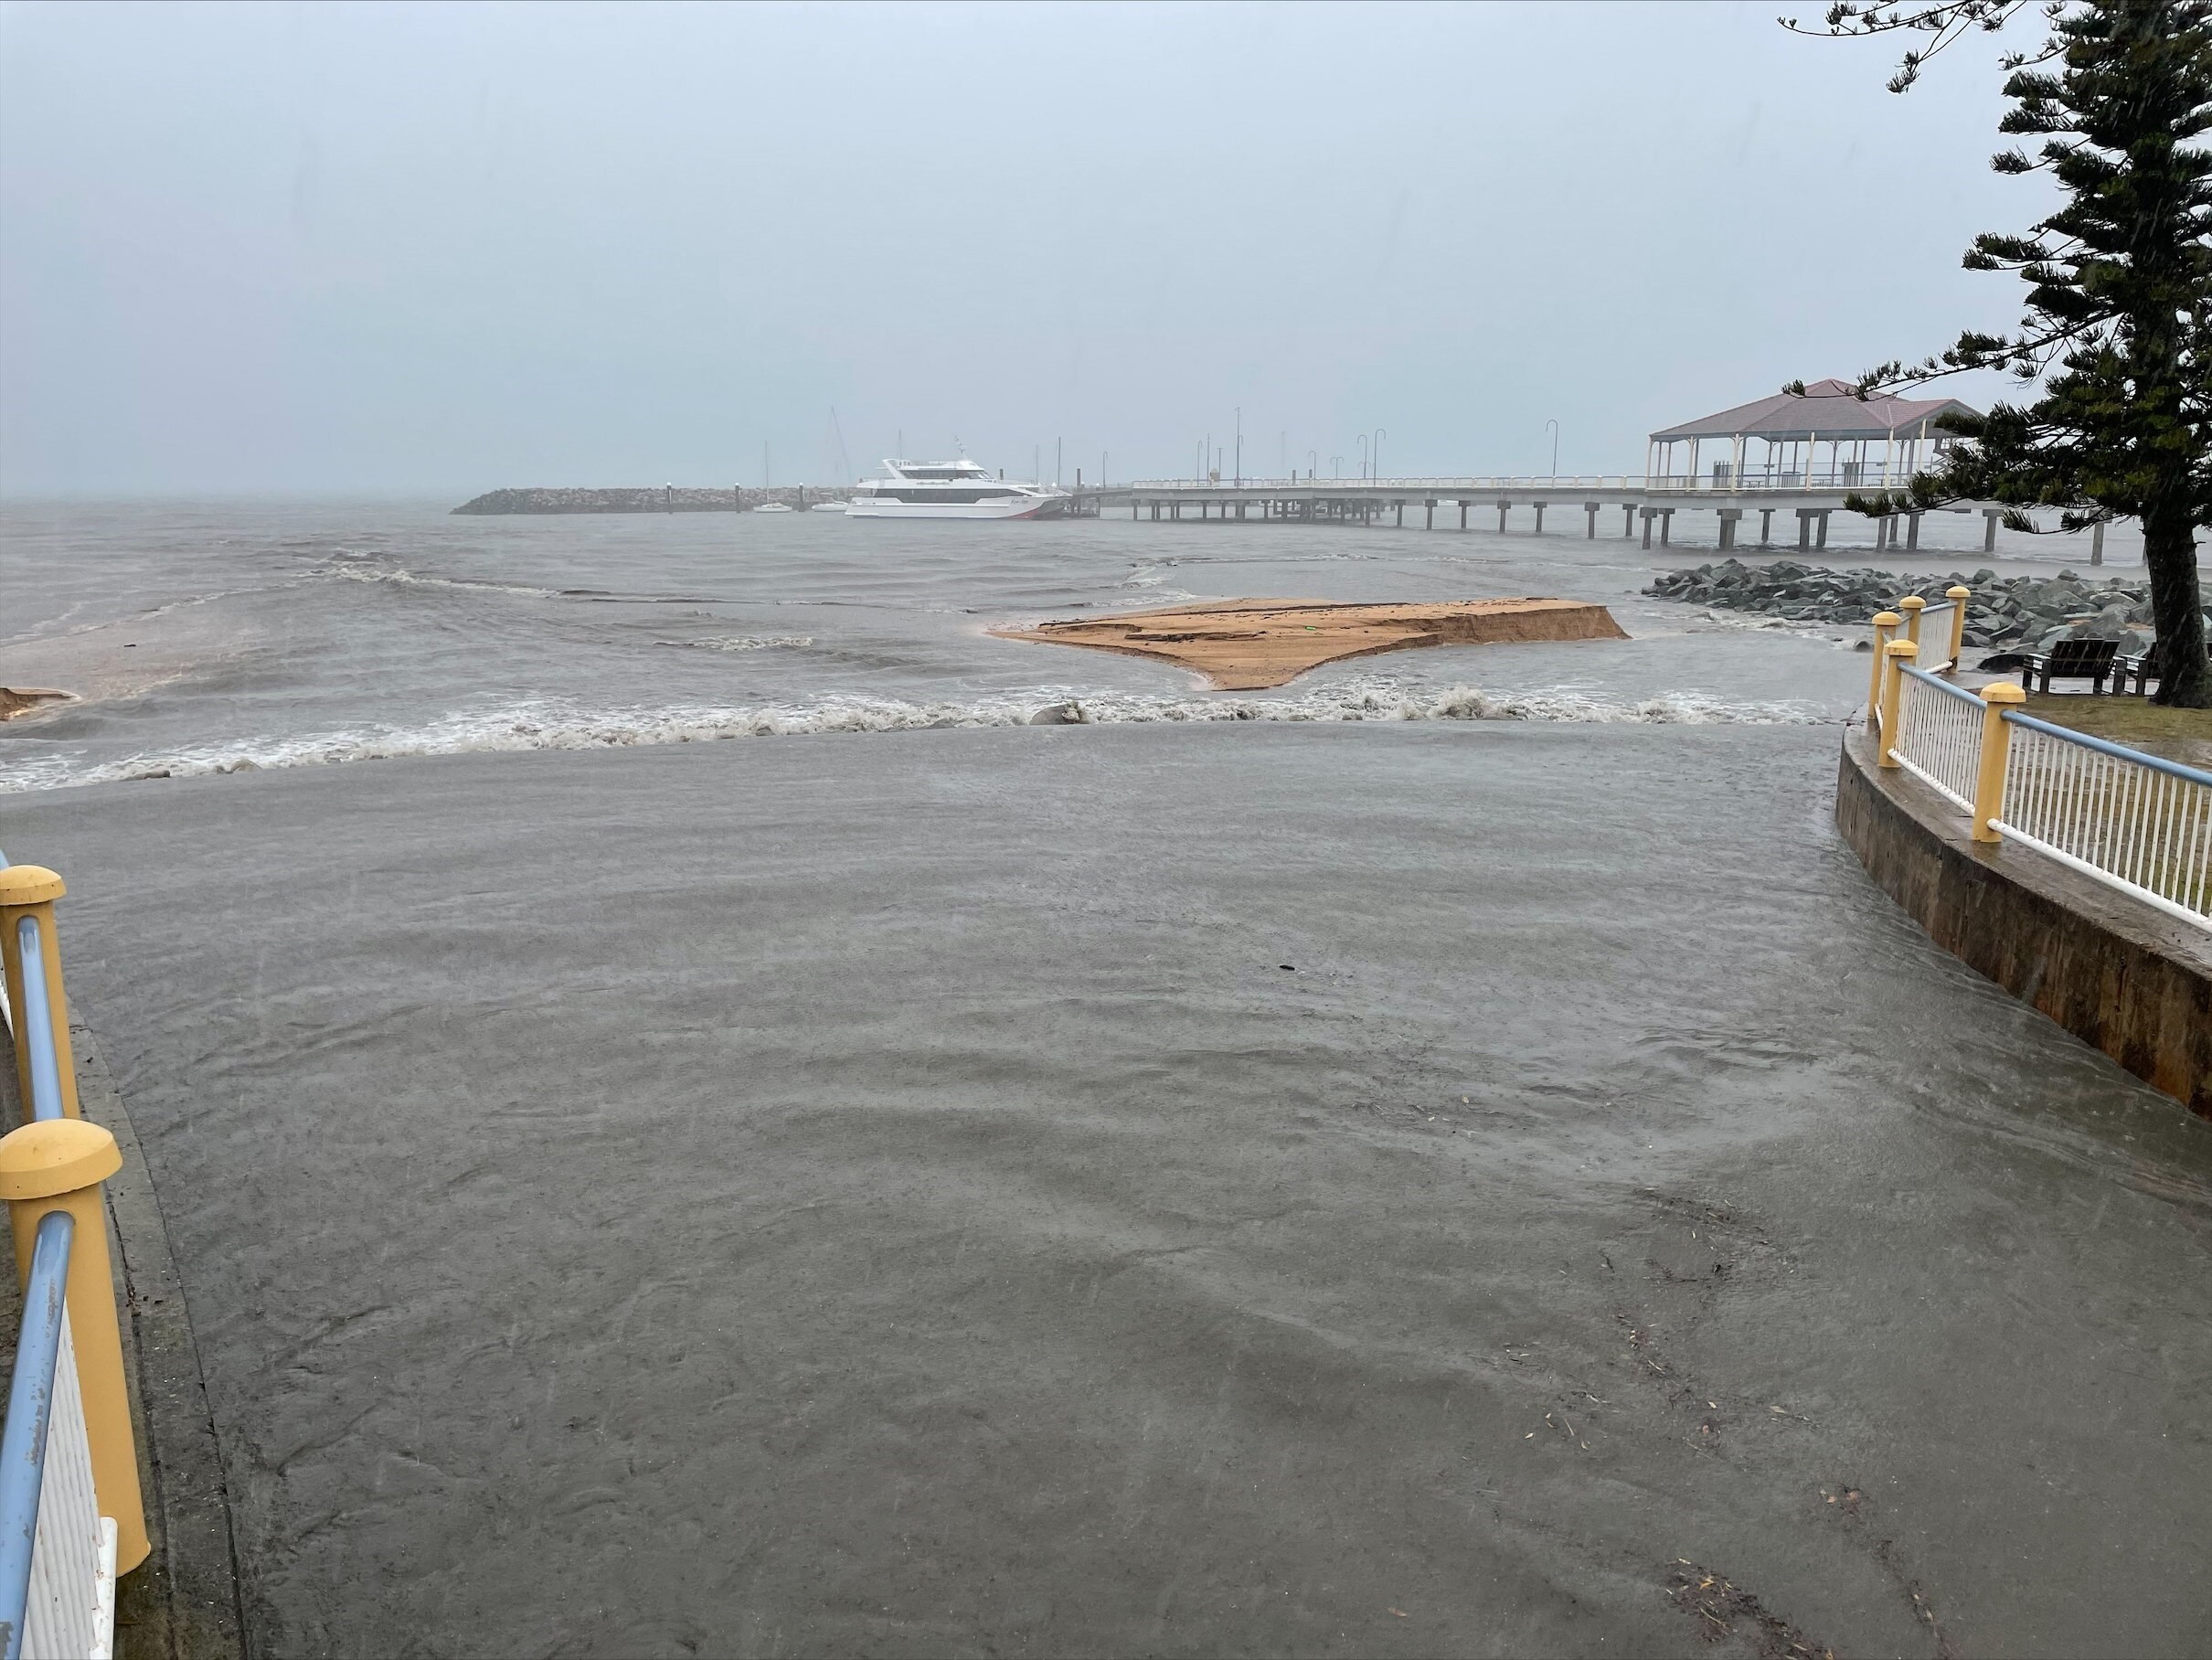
2132, 821
71, 1516
1673, 482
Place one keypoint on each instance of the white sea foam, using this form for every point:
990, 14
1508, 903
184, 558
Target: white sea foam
545, 724
410, 579
745, 642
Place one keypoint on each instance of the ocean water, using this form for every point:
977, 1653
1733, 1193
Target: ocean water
205, 637
1450, 1157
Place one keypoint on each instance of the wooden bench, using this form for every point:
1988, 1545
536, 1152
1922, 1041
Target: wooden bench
2089, 660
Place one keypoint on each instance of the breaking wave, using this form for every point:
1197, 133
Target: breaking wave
744, 643
402, 577
546, 724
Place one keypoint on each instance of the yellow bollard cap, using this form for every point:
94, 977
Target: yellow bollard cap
1912, 601
1902, 648
1955, 591
2003, 691
28, 885
56, 1155
1886, 619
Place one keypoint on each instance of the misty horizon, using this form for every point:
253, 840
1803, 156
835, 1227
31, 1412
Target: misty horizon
417, 250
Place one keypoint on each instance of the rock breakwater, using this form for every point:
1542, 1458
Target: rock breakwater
2025, 611
645, 498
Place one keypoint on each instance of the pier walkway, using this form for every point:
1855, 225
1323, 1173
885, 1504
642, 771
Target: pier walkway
1645, 501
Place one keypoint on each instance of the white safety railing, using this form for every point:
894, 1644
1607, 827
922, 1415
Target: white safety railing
1939, 737
2134, 822
2138, 824
71, 1606
65, 1452
1935, 636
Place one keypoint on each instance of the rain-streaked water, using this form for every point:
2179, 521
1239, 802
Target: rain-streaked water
1425, 1185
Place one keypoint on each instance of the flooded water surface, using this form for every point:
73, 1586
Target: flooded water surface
919, 1184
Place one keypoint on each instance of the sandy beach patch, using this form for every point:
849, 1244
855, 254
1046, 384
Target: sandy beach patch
1250, 645
29, 699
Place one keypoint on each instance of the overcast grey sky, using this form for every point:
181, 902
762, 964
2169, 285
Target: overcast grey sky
447, 248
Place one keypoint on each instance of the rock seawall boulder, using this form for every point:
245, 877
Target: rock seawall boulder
2026, 612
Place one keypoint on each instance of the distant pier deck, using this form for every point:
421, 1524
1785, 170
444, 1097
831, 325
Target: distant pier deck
1649, 502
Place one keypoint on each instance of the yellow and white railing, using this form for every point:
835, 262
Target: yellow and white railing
2136, 823
71, 1513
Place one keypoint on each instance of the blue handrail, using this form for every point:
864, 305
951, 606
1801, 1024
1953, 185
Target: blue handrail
37, 1026
30, 1406
1941, 685
2157, 763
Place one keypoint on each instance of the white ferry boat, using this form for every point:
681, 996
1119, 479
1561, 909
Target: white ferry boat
950, 490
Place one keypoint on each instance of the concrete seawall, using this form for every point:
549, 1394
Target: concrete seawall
2115, 974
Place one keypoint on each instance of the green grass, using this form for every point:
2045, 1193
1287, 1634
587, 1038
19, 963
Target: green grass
2183, 735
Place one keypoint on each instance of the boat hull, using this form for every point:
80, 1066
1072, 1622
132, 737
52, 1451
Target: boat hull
1016, 507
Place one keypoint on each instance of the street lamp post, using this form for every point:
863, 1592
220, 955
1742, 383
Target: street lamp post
1375, 454
1363, 455
1555, 447
1336, 466
1313, 462
1238, 471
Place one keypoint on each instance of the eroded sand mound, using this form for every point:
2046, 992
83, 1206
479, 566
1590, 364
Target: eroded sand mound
1249, 644
28, 699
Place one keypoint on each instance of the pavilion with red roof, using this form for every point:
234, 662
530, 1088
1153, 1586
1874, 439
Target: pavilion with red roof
1873, 441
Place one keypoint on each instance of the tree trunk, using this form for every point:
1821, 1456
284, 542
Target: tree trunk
2169, 553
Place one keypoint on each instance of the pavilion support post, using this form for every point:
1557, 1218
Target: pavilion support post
1823, 540
1463, 514
1766, 527
1590, 510
1401, 514
1804, 527
1628, 520
1649, 514
2097, 544
1730, 518
1541, 506
1430, 507
1666, 522
1912, 533
1989, 515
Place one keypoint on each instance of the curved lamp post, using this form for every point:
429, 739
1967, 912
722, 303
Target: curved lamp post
1363, 455
1555, 447
1375, 454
